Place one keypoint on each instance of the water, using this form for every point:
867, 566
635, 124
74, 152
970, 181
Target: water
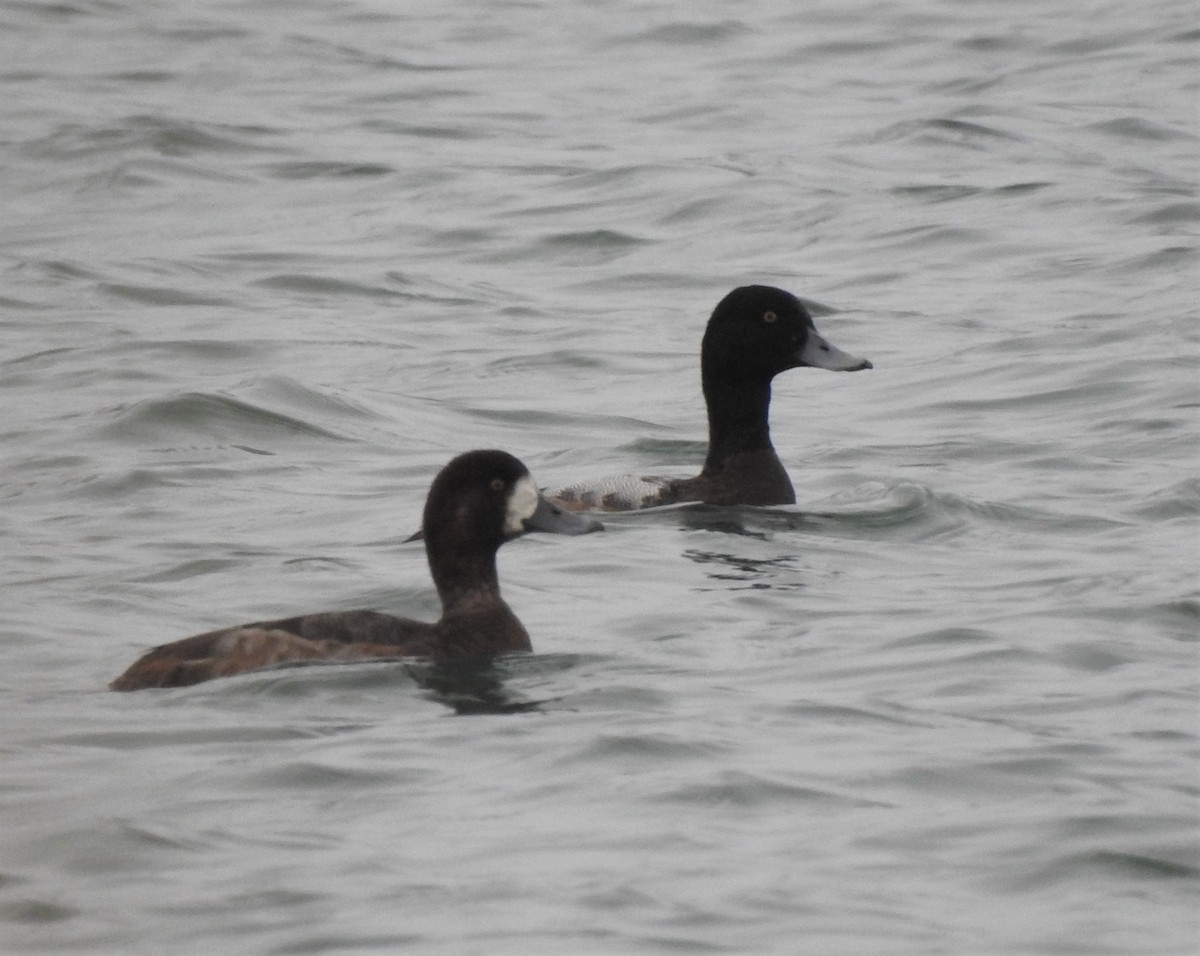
268, 266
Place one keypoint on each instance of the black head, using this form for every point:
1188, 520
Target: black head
758, 331
487, 498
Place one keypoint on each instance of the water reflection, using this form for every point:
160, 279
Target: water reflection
745, 521
735, 567
473, 686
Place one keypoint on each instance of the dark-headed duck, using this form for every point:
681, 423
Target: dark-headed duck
754, 333
477, 502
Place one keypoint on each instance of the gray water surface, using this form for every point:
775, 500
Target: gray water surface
268, 266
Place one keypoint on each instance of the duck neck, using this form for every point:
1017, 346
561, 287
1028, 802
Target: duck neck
463, 573
737, 421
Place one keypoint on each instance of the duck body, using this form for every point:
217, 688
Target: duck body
477, 502
754, 333
746, 478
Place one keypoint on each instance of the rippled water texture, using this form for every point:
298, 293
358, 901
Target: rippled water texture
267, 266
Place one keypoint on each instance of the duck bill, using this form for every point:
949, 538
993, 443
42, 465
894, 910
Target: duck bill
554, 520
819, 353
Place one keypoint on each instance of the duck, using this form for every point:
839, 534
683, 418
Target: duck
478, 501
755, 332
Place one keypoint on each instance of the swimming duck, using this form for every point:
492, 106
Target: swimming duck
477, 502
754, 333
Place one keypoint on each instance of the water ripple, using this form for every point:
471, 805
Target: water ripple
210, 416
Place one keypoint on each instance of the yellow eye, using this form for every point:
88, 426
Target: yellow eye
497, 484
769, 317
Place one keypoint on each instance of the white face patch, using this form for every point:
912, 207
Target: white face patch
522, 503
